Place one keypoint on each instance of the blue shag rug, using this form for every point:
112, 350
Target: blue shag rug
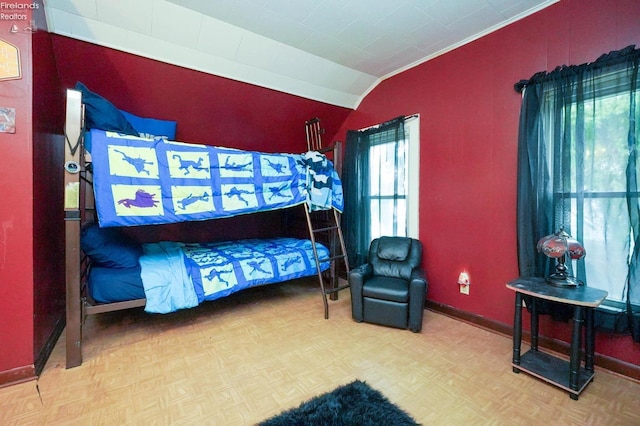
354, 404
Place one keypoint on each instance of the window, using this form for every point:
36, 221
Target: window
578, 168
391, 196
381, 184
597, 197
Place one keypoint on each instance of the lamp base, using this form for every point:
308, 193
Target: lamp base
562, 280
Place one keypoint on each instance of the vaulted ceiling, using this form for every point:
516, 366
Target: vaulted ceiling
334, 51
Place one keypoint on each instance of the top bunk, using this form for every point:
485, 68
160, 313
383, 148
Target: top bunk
141, 176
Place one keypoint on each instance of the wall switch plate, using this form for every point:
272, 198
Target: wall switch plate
464, 289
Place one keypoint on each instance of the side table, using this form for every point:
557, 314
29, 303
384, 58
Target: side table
566, 375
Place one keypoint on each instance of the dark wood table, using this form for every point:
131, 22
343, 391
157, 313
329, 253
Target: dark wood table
567, 375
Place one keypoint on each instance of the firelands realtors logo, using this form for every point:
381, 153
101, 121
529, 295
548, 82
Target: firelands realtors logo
15, 11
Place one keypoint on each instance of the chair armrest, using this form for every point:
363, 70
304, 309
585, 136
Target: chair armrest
419, 276
417, 298
418, 284
357, 277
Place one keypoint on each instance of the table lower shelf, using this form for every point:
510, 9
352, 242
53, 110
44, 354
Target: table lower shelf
553, 370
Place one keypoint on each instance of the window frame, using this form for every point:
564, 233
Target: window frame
412, 181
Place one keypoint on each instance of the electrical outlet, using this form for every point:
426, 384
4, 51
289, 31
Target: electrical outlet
464, 289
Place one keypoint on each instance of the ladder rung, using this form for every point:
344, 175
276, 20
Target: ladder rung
328, 228
328, 259
337, 289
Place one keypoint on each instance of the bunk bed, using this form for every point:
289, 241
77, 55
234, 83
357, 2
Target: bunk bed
130, 178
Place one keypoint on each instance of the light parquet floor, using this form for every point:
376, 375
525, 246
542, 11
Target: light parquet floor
246, 358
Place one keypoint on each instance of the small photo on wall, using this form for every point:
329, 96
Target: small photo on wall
7, 120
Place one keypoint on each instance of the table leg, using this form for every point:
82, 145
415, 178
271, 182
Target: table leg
534, 324
517, 332
590, 340
576, 346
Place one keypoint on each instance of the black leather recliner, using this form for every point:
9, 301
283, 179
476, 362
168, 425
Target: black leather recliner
391, 288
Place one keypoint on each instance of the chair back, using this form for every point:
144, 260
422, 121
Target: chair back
395, 256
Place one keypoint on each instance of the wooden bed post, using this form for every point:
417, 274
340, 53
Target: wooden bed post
72, 219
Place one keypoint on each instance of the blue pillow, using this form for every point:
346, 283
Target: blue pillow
107, 285
102, 114
109, 248
152, 127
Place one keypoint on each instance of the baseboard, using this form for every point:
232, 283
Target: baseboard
17, 375
606, 362
45, 352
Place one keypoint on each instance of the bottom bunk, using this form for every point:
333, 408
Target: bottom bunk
117, 273
175, 275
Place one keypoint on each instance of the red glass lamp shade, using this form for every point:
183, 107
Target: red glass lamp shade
560, 246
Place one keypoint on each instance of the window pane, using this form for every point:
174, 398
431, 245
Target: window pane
401, 225
606, 240
388, 172
606, 152
382, 217
376, 230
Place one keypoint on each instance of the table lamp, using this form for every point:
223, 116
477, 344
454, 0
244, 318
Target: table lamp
558, 246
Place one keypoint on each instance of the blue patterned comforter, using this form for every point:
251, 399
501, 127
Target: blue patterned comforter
180, 275
141, 181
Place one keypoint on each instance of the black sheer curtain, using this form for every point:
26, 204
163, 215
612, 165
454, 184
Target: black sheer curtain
578, 169
356, 218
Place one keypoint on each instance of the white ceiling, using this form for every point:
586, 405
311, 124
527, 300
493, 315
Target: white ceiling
334, 51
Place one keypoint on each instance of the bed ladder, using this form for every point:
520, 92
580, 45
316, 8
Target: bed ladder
314, 134
324, 225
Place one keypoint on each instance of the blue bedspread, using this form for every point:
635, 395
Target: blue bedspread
141, 181
179, 275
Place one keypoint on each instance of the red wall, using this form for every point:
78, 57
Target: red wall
469, 115
31, 275
16, 219
209, 109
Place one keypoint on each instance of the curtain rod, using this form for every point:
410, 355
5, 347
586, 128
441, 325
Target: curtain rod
375, 126
607, 59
